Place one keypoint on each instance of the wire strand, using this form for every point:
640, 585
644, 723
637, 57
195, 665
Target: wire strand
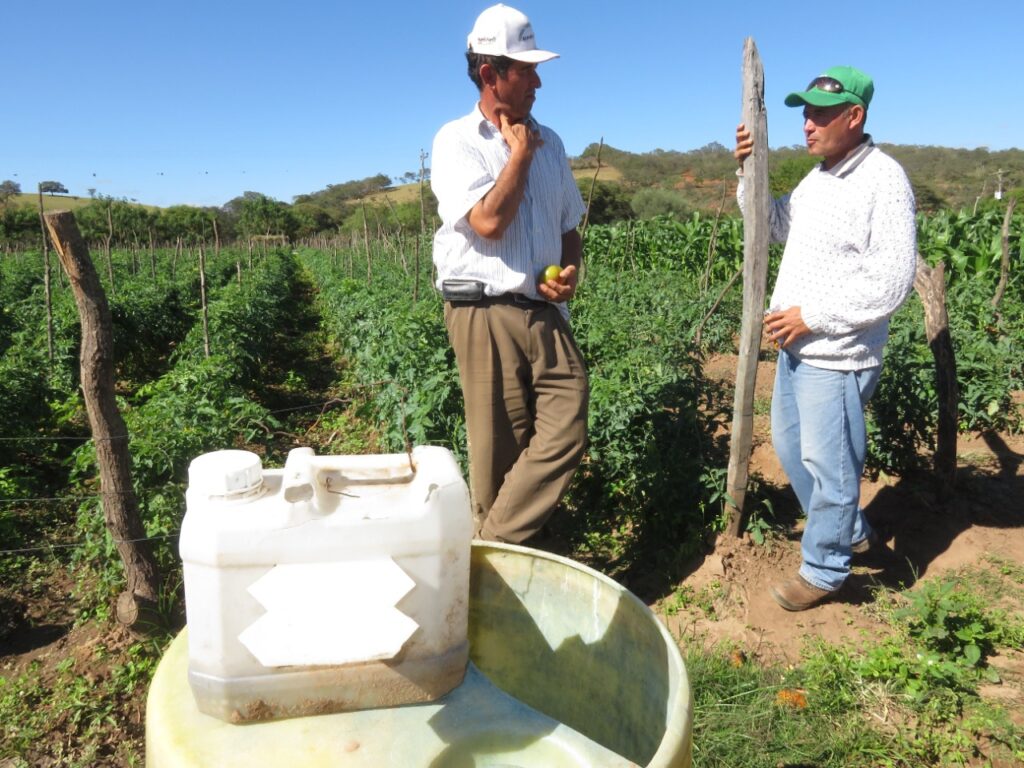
80, 542
88, 438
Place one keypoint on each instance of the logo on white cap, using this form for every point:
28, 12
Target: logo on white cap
504, 31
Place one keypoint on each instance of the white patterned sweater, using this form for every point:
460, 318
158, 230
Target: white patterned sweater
849, 259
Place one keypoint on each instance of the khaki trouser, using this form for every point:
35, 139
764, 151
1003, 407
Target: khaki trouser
526, 394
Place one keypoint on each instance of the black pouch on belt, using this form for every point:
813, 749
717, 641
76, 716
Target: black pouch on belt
458, 289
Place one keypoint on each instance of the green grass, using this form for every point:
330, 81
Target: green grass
752, 716
908, 700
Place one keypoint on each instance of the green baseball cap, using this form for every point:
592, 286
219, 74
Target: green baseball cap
837, 85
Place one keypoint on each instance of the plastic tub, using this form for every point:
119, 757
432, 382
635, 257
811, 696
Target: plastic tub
569, 669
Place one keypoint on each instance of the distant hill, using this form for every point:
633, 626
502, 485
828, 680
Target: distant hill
62, 202
664, 180
942, 177
52, 202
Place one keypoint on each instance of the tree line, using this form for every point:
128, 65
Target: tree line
339, 209
649, 184
667, 181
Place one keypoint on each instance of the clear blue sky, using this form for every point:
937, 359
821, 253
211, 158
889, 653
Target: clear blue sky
196, 102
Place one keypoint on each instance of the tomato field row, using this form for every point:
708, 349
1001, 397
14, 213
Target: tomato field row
342, 347
654, 302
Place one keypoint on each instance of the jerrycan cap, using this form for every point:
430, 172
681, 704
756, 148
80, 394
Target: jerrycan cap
228, 474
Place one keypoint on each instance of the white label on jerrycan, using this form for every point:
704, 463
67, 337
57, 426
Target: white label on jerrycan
315, 617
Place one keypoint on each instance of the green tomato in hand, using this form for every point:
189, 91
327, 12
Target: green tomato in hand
551, 272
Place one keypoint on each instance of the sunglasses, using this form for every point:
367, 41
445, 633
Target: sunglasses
827, 84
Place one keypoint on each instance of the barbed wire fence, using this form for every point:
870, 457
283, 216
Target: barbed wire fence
30, 505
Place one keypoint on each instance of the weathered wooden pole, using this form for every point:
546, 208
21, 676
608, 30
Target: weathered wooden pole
930, 284
590, 195
366, 242
109, 240
423, 226
137, 605
755, 275
46, 279
1004, 261
216, 241
152, 253
202, 300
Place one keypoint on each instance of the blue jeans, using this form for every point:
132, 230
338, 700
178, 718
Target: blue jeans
819, 435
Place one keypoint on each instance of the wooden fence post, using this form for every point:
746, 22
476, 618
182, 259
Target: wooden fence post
46, 278
930, 284
590, 196
137, 605
202, 299
755, 275
1004, 261
106, 247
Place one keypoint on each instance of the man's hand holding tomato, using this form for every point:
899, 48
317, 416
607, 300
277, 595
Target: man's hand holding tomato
558, 284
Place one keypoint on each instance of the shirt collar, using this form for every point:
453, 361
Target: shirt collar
486, 126
854, 157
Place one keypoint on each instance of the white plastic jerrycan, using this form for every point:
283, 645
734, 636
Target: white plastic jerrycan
336, 584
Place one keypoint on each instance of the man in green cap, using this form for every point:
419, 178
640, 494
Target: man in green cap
848, 265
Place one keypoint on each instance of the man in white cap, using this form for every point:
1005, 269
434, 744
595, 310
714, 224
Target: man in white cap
509, 208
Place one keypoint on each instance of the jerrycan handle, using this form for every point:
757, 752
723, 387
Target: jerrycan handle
297, 483
380, 469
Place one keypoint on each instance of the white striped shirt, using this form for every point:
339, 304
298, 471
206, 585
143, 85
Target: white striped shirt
850, 256
468, 155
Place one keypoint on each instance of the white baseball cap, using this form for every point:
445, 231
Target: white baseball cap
504, 31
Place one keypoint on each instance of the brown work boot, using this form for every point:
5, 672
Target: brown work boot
797, 595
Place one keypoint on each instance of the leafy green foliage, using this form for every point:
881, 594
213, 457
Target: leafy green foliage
649, 440
609, 202
397, 350
88, 705
687, 246
945, 631
634, 319
261, 215
969, 244
199, 404
651, 486
985, 339
648, 203
788, 172
933, 665
951, 622
19, 225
